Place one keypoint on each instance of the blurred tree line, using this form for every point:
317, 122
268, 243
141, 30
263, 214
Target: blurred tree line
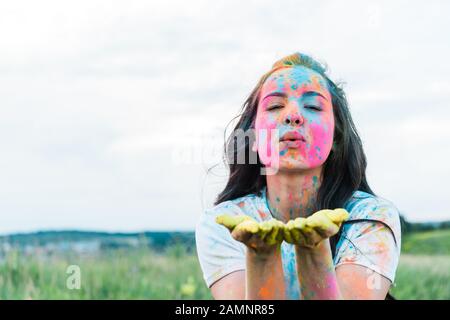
408, 227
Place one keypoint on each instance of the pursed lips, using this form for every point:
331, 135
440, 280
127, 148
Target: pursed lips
292, 136
292, 140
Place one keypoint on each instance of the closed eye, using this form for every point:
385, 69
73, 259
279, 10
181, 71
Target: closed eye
313, 107
276, 106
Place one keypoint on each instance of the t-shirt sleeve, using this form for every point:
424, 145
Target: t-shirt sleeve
218, 252
375, 245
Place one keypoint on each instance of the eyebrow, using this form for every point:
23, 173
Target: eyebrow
305, 94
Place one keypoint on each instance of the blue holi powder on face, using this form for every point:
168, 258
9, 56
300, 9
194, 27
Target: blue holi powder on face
283, 152
298, 75
315, 179
314, 117
280, 83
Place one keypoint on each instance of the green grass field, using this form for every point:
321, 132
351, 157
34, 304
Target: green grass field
429, 242
423, 273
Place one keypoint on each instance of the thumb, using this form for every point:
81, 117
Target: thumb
231, 221
338, 215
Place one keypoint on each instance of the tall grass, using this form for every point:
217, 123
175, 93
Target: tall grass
423, 277
175, 274
117, 274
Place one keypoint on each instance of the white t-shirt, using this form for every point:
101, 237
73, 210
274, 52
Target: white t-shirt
370, 244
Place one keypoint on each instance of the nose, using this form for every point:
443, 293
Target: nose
293, 119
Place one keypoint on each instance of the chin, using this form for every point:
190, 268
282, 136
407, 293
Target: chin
293, 166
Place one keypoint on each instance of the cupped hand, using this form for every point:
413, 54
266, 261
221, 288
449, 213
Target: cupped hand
310, 231
262, 237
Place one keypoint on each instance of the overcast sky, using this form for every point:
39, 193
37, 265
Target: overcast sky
111, 111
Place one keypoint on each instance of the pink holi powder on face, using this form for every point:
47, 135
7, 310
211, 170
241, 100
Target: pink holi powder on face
317, 127
321, 145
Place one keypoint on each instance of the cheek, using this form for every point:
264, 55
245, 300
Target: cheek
265, 139
266, 121
264, 125
321, 137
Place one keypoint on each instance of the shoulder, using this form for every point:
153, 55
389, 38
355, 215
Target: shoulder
367, 207
252, 205
371, 237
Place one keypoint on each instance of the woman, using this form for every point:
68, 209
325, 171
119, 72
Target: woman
309, 158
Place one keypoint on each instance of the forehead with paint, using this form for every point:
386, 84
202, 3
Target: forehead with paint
297, 99
294, 82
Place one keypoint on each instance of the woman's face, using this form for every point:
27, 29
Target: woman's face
294, 101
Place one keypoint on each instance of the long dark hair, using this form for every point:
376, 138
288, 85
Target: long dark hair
343, 172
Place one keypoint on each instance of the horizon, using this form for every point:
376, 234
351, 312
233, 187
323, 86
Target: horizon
135, 232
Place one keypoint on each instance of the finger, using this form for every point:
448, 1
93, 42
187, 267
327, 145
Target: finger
241, 235
273, 236
289, 229
311, 237
322, 224
281, 227
231, 221
250, 226
266, 228
295, 227
245, 230
338, 216
287, 235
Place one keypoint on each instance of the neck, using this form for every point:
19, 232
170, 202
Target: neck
292, 195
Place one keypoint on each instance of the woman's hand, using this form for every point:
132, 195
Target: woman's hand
310, 231
264, 277
263, 237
